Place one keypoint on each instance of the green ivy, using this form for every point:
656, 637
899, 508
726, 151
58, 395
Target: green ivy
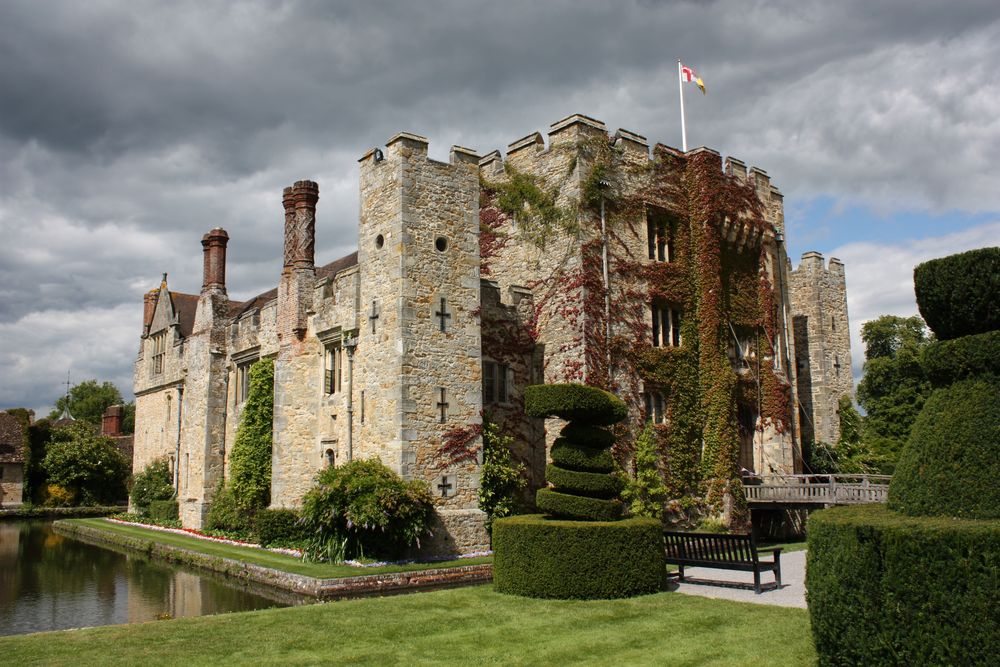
250, 462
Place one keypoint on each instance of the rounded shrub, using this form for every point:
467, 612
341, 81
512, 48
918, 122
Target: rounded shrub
586, 435
363, 508
887, 589
154, 483
574, 402
951, 465
546, 558
948, 361
957, 294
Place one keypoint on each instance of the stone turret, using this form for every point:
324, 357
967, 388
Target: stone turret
822, 343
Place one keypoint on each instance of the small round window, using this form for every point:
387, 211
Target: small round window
441, 244
379, 241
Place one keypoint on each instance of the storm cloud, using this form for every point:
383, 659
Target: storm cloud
128, 129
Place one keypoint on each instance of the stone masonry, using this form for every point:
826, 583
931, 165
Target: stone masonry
397, 350
823, 343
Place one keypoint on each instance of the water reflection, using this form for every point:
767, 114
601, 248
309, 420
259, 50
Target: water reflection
52, 582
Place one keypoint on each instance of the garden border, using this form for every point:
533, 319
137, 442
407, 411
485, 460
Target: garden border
322, 589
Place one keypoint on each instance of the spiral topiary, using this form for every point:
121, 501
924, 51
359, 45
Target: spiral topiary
580, 548
583, 486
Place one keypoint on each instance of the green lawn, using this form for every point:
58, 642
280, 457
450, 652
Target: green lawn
262, 557
458, 626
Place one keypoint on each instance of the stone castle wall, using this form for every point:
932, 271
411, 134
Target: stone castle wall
823, 340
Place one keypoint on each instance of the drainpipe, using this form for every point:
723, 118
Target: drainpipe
349, 345
177, 448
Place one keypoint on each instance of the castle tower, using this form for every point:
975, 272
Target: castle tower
418, 374
822, 344
203, 427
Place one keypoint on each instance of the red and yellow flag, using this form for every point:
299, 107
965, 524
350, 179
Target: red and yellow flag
688, 75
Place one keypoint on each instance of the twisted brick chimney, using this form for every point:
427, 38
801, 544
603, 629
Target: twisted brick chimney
214, 273
300, 224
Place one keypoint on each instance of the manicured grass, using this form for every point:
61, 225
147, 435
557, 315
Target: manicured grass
786, 547
265, 558
461, 626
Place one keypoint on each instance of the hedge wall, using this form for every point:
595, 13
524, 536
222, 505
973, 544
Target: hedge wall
948, 361
545, 558
886, 589
951, 465
957, 295
163, 510
574, 402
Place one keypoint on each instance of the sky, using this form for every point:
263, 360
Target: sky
129, 129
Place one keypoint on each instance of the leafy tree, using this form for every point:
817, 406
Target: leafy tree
86, 464
501, 478
850, 454
645, 493
251, 457
87, 401
128, 422
895, 386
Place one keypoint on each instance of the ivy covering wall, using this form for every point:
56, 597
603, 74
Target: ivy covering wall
719, 288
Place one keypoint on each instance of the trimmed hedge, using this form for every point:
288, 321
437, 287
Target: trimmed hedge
949, 361
565, 505
951, 465
163, 510
573, 457
889, 589
593, 484
957, 295
543, 558
280, 528
574, 402
586, 435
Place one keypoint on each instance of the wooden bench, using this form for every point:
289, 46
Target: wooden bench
727, 552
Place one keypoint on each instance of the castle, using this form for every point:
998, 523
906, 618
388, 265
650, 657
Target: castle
662, 277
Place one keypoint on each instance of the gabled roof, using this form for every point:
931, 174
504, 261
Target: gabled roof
185, 306
327, 270
11, 439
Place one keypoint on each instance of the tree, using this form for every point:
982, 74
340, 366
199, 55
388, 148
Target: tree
645, 494
86, 464
501, 478
87, 401
895, 386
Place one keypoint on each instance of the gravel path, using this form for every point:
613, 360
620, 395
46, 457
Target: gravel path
735, 585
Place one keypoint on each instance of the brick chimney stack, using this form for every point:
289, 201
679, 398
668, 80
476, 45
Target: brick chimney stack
214, 274
148, 308
111, 420
300, 224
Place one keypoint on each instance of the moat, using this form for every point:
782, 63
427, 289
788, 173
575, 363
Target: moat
52, 582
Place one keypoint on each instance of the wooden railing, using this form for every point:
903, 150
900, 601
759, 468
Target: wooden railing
817, 489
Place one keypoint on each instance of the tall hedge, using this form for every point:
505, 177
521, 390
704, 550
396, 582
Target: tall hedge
957, 295
885, 589
250, 460
948, 361
951, 467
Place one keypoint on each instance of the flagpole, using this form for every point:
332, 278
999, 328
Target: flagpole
680, 88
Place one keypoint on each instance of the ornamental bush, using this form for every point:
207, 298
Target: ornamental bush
546, 558
280, 528
364, 509
948, 361
153, 483
951, 465
957, 295
574, 402
645, 494
886, 589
